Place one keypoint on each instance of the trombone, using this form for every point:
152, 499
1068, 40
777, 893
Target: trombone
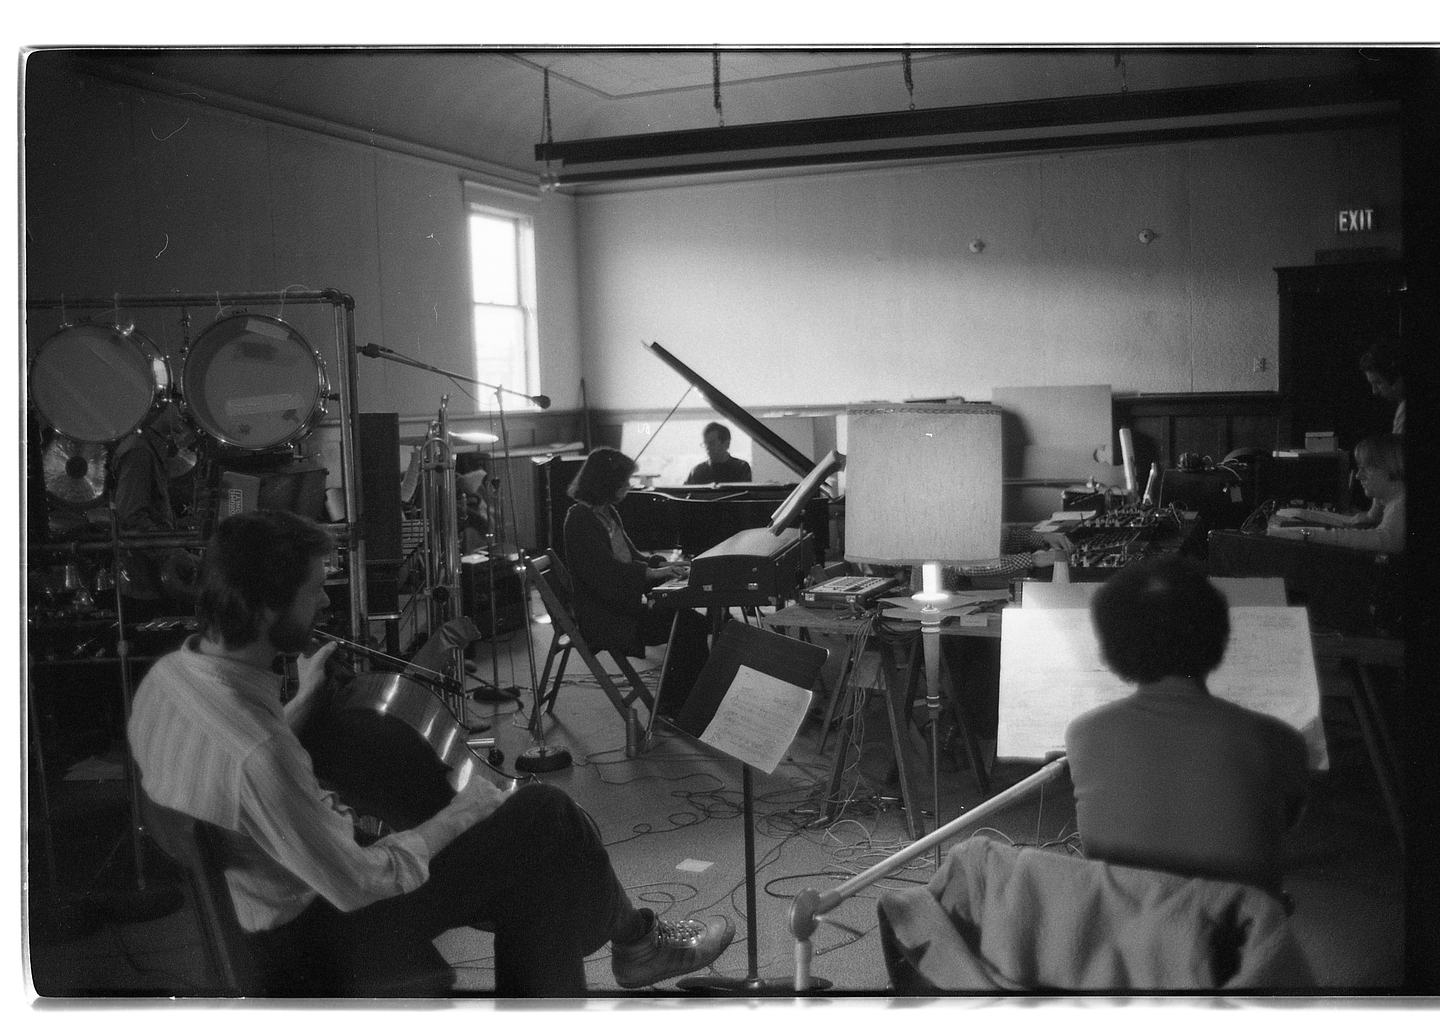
439, 594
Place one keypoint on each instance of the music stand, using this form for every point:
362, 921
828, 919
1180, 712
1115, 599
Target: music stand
748, 703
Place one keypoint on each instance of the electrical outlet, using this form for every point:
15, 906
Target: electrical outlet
1259, 365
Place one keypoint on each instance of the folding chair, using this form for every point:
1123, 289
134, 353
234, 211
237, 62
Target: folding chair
552, 580
198, 848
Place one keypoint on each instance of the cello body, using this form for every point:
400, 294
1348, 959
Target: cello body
391, 749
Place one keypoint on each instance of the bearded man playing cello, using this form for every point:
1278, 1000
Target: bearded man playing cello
324, 914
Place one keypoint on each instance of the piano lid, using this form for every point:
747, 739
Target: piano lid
752, 426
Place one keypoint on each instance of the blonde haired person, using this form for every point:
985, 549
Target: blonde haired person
1380, 467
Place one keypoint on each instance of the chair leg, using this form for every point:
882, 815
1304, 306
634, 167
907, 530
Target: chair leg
549, 688
607, 683
638, 689
559, 677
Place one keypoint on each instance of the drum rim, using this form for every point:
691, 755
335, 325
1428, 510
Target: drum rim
138, 340
304, 427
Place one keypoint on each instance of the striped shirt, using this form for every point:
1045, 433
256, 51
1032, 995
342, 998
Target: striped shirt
209, 737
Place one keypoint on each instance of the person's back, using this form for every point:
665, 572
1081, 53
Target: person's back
1171, 777
1185, 782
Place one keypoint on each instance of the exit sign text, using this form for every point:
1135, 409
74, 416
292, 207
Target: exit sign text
1357, 220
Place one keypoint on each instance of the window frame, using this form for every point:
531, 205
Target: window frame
526, 303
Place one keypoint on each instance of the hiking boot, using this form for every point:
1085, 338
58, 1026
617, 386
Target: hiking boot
670, 949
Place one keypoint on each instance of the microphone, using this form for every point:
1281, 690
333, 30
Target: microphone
541, 401
372, 350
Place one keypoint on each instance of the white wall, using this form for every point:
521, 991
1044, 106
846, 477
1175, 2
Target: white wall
825, 289
129, 192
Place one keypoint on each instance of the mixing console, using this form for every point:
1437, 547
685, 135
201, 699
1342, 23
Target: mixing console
1115, 538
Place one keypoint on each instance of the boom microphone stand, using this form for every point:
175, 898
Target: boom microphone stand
541, 401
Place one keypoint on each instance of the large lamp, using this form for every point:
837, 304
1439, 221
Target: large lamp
923, 487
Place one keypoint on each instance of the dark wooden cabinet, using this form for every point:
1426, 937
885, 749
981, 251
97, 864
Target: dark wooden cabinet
1329, 316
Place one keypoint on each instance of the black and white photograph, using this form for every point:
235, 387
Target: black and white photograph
726, 528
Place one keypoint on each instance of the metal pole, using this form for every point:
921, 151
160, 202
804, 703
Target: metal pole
350, 469
810, 904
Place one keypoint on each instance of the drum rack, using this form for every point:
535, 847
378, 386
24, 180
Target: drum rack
343, 389
351, 536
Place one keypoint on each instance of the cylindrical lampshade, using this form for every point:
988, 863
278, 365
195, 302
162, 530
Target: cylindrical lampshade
922, 483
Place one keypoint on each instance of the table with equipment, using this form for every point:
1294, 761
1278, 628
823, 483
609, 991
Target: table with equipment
806, 622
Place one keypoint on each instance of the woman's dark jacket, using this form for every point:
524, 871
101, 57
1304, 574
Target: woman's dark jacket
609, 593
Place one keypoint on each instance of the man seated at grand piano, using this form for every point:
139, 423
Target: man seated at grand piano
611, 579
718, 465
1380, 467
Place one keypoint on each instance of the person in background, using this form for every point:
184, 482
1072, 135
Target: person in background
324, 913
1382, 367
611, 579
472, 497
142, 467
1380, 467
1171, 777
718, 465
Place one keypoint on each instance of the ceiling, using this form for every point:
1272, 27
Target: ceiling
486, 109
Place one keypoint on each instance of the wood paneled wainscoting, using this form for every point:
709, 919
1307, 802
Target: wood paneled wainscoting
1166, 425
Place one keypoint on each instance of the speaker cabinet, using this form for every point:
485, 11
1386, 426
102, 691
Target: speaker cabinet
507, 613
377, 452
553, 477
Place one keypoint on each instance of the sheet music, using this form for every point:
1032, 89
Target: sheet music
1246, 592
758, 718
1051, 671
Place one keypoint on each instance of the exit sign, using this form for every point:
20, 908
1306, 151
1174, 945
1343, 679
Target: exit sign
1355, 220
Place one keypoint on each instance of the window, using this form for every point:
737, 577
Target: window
502, 280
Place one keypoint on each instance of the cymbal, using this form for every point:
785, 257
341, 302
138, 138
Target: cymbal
74, 471
180, 463
475, 436
455, 437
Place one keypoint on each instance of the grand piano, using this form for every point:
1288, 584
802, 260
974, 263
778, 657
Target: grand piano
698, 518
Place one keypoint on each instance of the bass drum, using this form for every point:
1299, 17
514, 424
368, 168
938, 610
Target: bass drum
251, 383
98, 383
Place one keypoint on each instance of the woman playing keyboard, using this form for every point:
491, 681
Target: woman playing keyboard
1380, 467
611, 579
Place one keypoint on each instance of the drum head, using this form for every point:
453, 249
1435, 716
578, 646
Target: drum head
252, 382
95, 383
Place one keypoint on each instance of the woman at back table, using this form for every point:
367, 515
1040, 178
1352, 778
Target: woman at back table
611, 579
1380, 467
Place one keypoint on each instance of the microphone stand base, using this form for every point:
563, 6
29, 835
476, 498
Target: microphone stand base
543, 759
724, 986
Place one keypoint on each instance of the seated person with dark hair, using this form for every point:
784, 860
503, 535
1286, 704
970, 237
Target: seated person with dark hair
611, 578
142, 467
1380, 467
1382, 367
718, 465
325, 914
472, 500
1172, 778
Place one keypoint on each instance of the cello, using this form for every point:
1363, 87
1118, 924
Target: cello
388, 745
